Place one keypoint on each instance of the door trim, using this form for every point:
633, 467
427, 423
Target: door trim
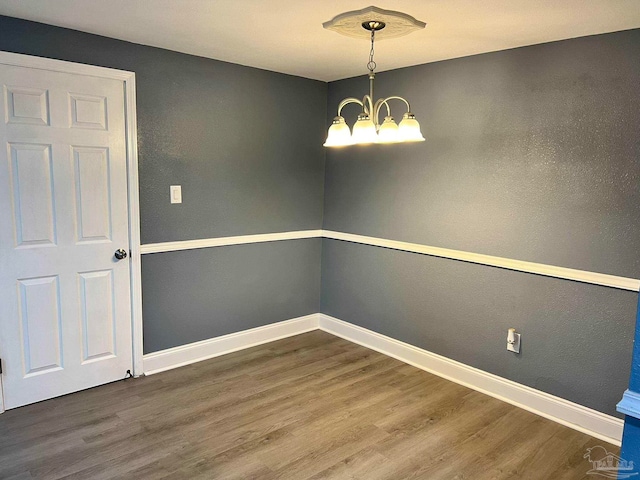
129, 83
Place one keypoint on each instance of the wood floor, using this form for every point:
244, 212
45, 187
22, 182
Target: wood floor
311, 406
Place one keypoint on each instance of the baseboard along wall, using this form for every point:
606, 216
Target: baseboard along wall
214, 347
573, 415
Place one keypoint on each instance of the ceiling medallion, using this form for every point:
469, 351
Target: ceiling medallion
397, 24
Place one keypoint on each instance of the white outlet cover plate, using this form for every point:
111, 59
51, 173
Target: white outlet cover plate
176, 193
515, 347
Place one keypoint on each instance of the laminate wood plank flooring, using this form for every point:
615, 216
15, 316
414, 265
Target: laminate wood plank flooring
313, 406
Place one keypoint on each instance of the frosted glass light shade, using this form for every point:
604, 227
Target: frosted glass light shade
388, 131
409, 129
339, 134
364, 130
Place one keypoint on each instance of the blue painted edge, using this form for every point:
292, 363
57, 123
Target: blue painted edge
630, 404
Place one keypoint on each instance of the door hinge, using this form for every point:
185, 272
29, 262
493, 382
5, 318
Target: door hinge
0, 366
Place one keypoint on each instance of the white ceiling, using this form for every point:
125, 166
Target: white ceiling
287, 35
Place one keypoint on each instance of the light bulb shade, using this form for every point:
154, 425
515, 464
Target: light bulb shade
409, 129
339, 134
364, 130
388, 131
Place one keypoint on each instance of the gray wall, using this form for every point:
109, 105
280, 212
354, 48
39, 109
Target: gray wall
531, 154
254, 285
245, 144
577, 338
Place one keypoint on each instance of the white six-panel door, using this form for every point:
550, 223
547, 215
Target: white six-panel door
65, 308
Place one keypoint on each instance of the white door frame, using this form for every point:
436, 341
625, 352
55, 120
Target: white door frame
129, 80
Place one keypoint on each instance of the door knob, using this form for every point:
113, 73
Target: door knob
120, 254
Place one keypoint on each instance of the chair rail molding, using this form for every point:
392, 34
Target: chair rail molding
584, 276
227, 241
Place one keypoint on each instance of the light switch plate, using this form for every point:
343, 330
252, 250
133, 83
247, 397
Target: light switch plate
176, 193
515, 346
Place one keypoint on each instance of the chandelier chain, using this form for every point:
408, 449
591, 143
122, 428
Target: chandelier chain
372, 64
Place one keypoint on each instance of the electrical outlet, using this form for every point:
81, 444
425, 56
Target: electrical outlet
176, 193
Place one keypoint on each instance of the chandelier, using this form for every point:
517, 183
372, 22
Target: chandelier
367, 128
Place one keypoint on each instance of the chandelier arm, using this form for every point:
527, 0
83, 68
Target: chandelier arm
367, 104
347, 101
379, 103
399, 98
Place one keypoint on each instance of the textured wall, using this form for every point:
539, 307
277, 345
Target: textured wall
531, 154
245, 144
198, 294
576, 338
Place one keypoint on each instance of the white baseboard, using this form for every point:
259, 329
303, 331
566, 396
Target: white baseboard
195, 352
578, 417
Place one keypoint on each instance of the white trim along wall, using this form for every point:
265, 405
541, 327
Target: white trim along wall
578, 417
214, 347
224, 241
584, 276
